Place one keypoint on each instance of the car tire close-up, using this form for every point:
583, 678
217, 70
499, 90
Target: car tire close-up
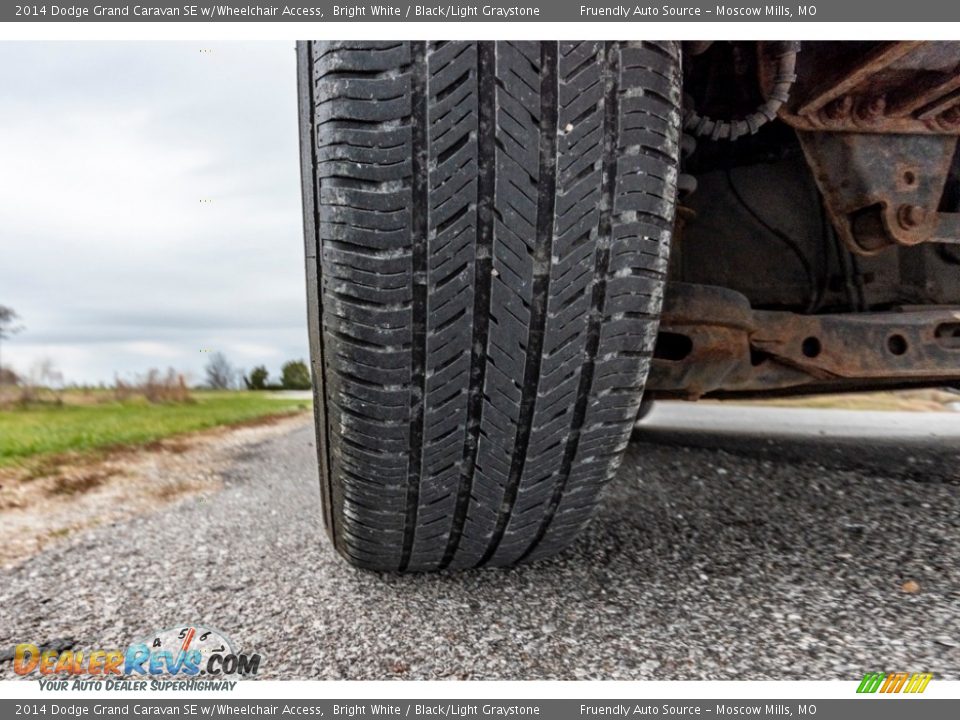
487, 228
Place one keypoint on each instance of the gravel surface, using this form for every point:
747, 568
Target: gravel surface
701, 564
77, 492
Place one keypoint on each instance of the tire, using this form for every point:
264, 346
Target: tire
487, 231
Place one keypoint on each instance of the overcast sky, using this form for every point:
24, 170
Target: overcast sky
106, 250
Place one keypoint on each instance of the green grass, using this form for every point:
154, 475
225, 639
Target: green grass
29, 433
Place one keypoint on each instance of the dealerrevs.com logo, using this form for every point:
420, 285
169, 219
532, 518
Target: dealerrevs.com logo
186, 657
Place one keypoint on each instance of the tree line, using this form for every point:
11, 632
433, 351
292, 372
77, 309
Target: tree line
221, 375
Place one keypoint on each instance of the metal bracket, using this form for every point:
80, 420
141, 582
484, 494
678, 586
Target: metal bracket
885, 87
883, 190
712, 342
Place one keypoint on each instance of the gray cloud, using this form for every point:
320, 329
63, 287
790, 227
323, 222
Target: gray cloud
106, 249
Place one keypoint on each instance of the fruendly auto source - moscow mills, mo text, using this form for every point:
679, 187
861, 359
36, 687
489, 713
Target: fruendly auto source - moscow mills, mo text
685, 11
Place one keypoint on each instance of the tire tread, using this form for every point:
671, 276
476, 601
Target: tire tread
491, 232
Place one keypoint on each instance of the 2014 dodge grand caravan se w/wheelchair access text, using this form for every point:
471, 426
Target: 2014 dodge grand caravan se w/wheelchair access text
511, 244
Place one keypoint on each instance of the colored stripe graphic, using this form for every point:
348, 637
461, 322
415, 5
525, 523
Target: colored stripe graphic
894, 682
918, 682
870, 683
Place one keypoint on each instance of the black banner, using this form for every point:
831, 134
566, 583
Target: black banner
494, 11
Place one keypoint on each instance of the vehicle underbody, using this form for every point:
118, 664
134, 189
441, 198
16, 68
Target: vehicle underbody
510, 245
817, 242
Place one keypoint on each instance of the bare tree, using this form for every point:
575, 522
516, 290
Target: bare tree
8, 328
220, 373
44, 378
158, 387
45, 373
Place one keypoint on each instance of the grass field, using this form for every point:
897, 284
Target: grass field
30, 433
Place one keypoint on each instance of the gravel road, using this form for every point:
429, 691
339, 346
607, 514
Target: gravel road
702, 563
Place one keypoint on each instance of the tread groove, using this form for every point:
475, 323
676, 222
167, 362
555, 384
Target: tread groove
483, 265
600, 270
543, 251
420, 197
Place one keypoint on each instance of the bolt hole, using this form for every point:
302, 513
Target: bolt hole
897, 344
758, 357
948, 335
909, 177
672, 346
811, 347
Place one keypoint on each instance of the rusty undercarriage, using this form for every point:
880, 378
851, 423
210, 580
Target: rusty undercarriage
818, 239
